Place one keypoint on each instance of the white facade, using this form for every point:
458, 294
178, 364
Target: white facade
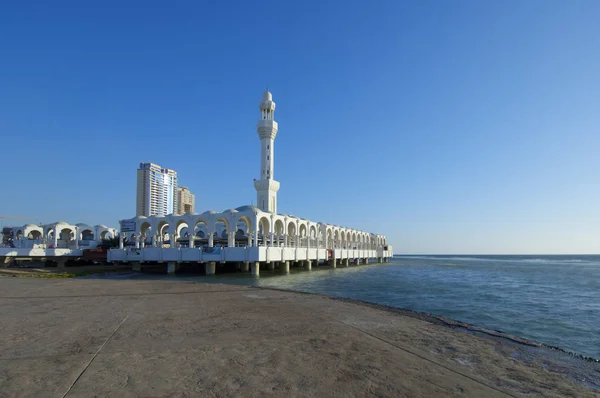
156, 190
267, 187
60, 235
246, 226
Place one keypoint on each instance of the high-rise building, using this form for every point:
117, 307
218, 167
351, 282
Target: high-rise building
186, 200
156, 190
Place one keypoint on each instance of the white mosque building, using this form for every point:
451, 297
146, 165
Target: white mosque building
59, 235
251, 236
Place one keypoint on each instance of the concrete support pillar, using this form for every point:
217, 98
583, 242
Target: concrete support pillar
211, 239
121, 236
153, 240
55, 242
366, 261
332, 263
379, 260
271, 265
210, 268
284, 266
245, 266
307, 265
136, 266
357, 261
346, 262
255, 268
171, 268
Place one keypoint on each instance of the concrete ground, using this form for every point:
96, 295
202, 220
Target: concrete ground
50, 272
130, 338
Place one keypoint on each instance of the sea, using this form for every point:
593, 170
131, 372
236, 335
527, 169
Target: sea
550, 299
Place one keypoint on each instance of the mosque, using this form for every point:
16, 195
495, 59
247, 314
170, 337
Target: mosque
251, 237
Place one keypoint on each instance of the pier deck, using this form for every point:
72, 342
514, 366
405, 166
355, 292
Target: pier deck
251, 256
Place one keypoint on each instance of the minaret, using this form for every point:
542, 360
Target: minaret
266, 187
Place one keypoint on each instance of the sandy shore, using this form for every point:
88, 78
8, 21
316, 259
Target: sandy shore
85, 337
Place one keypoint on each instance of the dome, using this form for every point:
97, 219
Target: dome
247, 207
61, 222
267, 96
230, 211
101, 226
30, 226
210, 212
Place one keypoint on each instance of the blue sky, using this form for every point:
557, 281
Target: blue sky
451, 127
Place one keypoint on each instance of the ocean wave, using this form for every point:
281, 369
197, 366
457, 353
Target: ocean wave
506, 259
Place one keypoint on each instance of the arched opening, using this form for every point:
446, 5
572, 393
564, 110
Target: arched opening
329, 239
65, 237
336, 239
221, 230
106, 235
264, 228
279, 231
34, 235
146, 233
49, 233
87, 234
312, 232
291, 234
303, 236
242, 228
181, 235
163, 234
19, 235
201, 233
66, 234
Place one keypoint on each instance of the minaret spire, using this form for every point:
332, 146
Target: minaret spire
267, 187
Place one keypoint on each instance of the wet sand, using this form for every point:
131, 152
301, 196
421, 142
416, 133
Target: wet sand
69, 272
92, 337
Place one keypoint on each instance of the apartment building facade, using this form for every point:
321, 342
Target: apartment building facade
156, 191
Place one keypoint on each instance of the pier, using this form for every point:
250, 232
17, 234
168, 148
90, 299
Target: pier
247, 236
